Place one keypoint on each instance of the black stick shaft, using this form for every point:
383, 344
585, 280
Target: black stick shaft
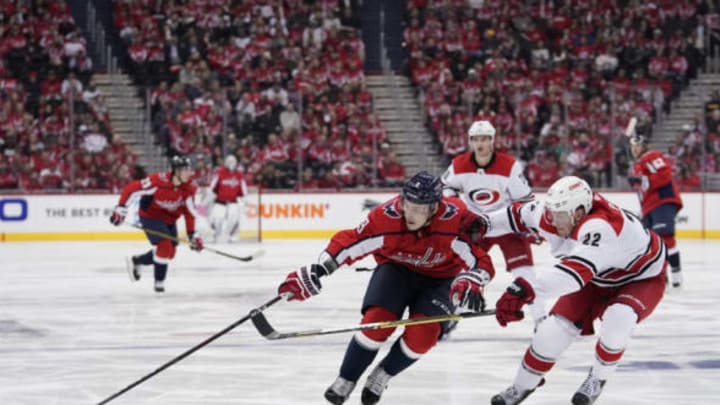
209, 249
192, 349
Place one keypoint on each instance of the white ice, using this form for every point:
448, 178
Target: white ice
75, 330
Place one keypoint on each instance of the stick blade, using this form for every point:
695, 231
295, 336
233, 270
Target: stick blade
263, 326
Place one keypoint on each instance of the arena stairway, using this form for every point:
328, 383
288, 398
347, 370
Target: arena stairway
400, 113
128, 118
683, 110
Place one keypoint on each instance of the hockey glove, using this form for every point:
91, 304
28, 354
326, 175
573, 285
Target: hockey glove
196, 242
634, 181
118, 215
509, 307
304, 283
473, 226
466, 290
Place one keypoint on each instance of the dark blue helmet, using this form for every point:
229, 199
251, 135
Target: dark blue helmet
422, 188
180, 162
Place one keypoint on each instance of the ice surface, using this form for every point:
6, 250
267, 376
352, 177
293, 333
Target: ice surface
75, 330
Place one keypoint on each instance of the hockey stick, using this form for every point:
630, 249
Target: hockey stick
268, 332
255, 255
195, 348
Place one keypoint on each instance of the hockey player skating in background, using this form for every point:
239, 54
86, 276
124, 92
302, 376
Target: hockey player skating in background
424, 264
610, 267
659, 198
227, 189
488, 180
164, 197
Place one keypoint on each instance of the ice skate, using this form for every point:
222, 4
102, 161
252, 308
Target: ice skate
159, 286
339, 391
511, 396
676, 278
589, 391
374, 386
132, 268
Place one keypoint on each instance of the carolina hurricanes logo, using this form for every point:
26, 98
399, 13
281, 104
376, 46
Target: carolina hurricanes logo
484, 196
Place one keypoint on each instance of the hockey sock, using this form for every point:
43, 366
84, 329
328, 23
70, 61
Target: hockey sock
359, 354
674, 259
415, 341
160, 271
619, 321
398, 359
551, 339
145, 258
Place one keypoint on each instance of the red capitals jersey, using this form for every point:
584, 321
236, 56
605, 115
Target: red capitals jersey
437, 250
657, 186
228, 185
160, 199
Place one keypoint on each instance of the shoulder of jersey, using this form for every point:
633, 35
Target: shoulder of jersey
651, 155
450, 211
161, 177
463, 163
502, 164
599, 219
386, 212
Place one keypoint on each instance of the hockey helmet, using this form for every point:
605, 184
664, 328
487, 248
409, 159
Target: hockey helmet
230, 162
180, 162
567, 194
422, 188
482, 128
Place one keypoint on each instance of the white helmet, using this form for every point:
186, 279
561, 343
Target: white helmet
481, 128
567, 194
230, 162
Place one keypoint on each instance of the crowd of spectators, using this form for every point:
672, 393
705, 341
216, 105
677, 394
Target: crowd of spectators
278, 83
559, 79
47, 94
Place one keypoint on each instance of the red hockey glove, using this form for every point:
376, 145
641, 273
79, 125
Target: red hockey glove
118, 215
466, 290
508, 307
196, 242
304, 283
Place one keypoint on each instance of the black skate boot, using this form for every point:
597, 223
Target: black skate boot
374, 386
133, 268
339, 391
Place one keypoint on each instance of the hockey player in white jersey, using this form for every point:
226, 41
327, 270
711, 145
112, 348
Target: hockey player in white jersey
610, 267
487, 181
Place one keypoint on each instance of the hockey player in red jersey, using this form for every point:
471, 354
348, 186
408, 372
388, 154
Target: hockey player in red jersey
424, 264
659, 198
610, 267
488, 180
164, 197
227, 188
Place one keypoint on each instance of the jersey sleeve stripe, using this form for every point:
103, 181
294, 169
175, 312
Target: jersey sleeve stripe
582, 261
463, 250
142, 192
191, 206
359, 249
511, 219
572, 272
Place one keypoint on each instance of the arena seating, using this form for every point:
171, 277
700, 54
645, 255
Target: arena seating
46, 93
255, 71
560, 80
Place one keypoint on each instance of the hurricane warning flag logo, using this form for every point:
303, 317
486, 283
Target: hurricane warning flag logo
484, 196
